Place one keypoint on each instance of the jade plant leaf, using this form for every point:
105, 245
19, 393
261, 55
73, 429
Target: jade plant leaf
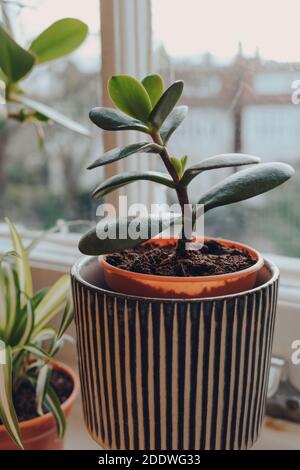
154, 86
15, 61
219, 161
60, 39
96, 241
177, 166
51, 114
246, 184
174, 120
165, 104
130, 96
111, 119
118, 181
119, 153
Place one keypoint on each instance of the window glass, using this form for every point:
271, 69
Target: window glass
40, 184
240, 62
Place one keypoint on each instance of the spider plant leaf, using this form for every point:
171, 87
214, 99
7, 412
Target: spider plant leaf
51, 113
129, 95
7, 411
118, 181
52, 303
246, 184
44, 334
110, 119
29, 324
174, 120
98, 242
22, 264
225, 160
67, 317
61, 38
165, 104
53, 404
15, 61
33, 349
154, 86
12, 291
42, 385
119, 153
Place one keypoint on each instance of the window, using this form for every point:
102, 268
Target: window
40, 185
239, 68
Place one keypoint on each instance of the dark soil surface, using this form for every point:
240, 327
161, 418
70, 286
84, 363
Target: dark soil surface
24, 399
213, 258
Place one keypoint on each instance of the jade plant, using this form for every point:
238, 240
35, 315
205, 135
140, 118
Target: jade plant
16, 63
25, 325
148, 108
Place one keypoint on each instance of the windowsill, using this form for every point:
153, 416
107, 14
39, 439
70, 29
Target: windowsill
59, 251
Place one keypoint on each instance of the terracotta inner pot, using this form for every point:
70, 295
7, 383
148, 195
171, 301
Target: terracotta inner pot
145, 285
40, 433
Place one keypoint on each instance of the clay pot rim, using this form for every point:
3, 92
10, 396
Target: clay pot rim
154, 277
86, 260
39, 420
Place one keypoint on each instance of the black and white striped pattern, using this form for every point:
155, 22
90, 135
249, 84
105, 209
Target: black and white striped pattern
174, 375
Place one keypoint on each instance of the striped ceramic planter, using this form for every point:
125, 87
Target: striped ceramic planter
172, 374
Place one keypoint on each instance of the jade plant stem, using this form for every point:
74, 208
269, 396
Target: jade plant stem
181, 191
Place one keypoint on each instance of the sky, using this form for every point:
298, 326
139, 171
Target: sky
190, 28
193, 27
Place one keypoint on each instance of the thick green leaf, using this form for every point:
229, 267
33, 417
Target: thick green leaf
165, 104
15, 61
51, 114
22, 264
219, 161
129, 95
53, 404
174, 119
7, 410
118, 181
60, 39
177, 166
111, 119
184, 161
119, 153
154, 86
115, 235
246, 184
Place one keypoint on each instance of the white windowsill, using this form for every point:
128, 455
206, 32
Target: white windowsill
59, 251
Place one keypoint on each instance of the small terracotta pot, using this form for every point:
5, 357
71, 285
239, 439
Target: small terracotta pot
171, 287
41, 433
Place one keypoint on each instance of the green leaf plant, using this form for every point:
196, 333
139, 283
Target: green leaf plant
146, 107
28, 341
16, 63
